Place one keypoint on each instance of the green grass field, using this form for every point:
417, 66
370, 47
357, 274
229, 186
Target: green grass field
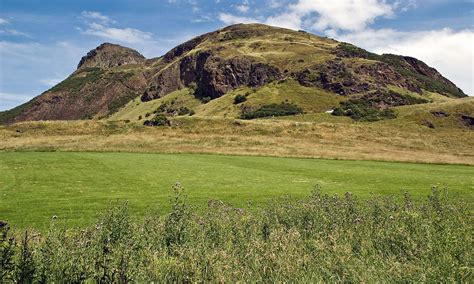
34, 186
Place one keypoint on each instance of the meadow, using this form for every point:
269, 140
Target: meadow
75, 186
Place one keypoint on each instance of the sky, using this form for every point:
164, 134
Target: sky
42, 41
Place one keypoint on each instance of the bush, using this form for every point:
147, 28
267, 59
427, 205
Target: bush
7, 247
159, 120
26, 266
192, 87
172, 108
205, 100
239, 99
362, 110
319, 238
282, 109
184, 111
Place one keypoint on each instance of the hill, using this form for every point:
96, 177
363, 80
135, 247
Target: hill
241, 71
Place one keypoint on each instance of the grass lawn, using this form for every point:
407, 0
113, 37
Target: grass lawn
34, 186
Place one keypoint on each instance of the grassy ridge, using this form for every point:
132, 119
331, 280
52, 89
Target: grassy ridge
75, 186
320, 238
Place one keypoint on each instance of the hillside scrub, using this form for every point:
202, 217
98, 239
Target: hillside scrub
363, 111
159, 120
240, 99
320, 238
77, 81
282, 109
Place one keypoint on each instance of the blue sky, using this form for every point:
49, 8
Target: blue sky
41, 41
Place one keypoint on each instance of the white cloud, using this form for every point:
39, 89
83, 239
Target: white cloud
450, 52
351, 15
12, 32
101, 26
242, 8
96, 16
291, 20
127, 35
230, 19
405, 5
273, 4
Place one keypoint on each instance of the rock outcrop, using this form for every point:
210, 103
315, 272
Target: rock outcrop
213, 75
109, 55
344, 79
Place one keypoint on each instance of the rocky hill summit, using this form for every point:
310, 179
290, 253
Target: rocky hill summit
109, 55
269, 68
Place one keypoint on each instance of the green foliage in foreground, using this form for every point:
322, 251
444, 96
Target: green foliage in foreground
282, 109
320, 238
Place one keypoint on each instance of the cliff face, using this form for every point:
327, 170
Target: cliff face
214, 64
213, 75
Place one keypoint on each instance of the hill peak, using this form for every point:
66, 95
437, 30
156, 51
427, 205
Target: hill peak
108, 55
268, 64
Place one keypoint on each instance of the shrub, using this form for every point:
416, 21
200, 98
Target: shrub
282, 109
239, 99
205, 100
172, 108
7, 246
192, 87
319, 238
184, 111
159, 120
162, 108
26, 266
362, 110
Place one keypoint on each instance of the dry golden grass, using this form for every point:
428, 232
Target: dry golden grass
336, 138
